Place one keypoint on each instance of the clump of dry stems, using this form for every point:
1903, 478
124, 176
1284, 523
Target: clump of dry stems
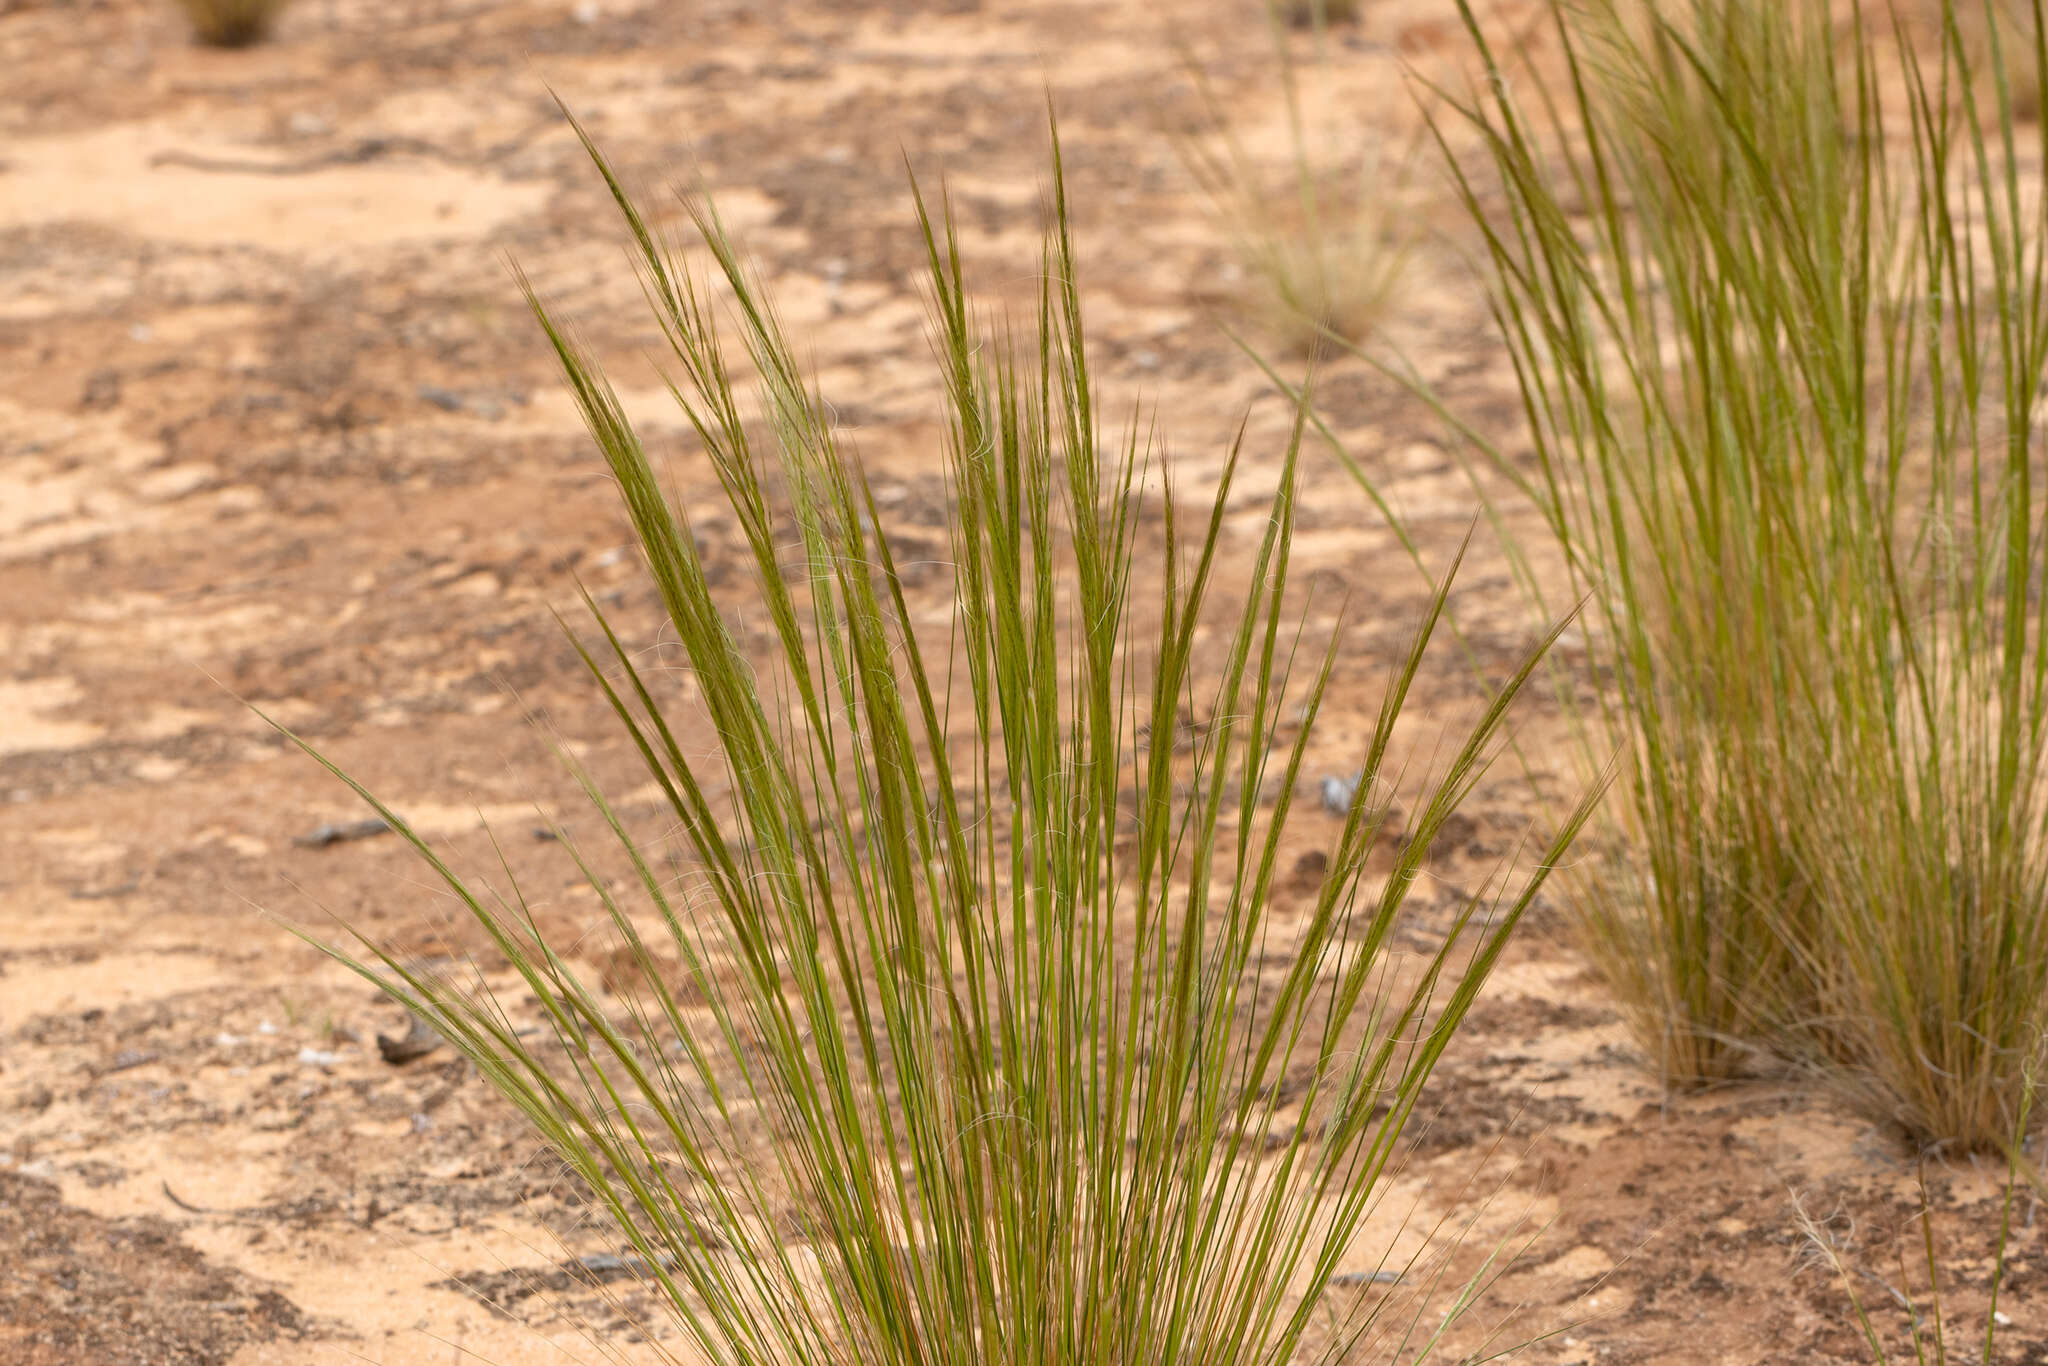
232, 23
1324, 240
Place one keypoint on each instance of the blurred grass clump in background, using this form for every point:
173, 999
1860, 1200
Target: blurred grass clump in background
1323, 242
1772, 278
232, 23
977, 1029
1317, 14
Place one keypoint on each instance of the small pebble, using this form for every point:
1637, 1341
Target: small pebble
1338, 793
419, 1039
321, 836
609, 1265
318, 1057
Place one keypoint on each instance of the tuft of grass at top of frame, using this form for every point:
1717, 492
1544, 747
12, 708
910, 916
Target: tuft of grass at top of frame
1321, 238
232, 23
1772, 279
977, 1029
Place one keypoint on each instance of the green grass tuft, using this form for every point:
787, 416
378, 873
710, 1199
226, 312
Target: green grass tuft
1775, 298
991, 1039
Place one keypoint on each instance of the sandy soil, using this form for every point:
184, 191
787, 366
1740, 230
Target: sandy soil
274, 426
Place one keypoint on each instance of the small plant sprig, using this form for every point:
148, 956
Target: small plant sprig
990, 1039
1936, 1330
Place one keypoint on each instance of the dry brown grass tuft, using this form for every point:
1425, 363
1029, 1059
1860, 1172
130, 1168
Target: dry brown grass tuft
1318, 267
232, 23
1319, 13
1317, 211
